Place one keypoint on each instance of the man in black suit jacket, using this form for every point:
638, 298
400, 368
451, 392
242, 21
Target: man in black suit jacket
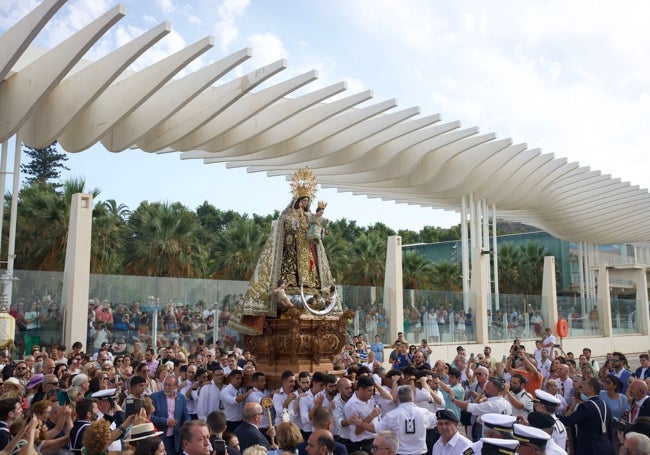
10, 410
593, 419
643, 372
641, 405
248, 431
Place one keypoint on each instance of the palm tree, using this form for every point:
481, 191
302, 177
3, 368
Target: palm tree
367, 261
416, 271
510, 262
237, 250
337, 250
162, 240
44, 214
447, 276
533, 264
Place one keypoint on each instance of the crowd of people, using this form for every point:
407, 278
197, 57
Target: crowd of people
208, 400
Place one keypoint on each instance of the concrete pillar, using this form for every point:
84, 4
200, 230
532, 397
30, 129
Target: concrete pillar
604, 299
480, 265
549, 293
393, 297
642, 314
76, 274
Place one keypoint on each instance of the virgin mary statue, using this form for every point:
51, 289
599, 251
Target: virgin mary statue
289, 260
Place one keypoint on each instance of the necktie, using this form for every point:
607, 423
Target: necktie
633, 414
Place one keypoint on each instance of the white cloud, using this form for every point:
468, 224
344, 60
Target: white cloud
166, 5
226, 29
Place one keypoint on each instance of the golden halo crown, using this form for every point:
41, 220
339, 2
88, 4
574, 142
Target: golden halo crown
303, 184
322, 205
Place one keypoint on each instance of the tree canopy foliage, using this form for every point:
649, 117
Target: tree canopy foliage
171, 240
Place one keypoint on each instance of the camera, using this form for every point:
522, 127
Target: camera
621, 425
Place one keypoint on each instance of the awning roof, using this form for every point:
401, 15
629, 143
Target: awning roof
376, 149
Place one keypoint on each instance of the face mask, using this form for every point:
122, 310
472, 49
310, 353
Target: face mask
584, 397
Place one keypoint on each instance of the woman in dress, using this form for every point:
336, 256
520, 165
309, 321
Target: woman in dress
431, 325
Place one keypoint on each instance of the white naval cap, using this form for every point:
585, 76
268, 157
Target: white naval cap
530, 435
498, 422
494, 446
546, 398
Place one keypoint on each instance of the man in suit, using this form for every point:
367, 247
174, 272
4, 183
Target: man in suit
641, 405
620, 369
248, 431
643, 372
593, 418
195, 438
10, 410
170, 414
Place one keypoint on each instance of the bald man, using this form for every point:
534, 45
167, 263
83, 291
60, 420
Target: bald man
320, 442
641, 404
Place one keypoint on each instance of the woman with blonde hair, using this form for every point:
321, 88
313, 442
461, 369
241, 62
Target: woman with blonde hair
96, 438
289, 436
255, 450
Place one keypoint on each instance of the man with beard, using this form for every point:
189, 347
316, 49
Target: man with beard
259, 391
209, 396
406, 421
284, 397
520, 400
495, 402
341, 425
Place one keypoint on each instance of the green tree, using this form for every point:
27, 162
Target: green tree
347, 230
337, 250
416, 271
162, 240
408, 237
447, 276
43, 215
45, 164
237, 250
367, 261
530, 280
510, 263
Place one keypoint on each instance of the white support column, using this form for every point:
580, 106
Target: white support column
13, 217
581, 273
393, 297
76, 274
642, 313
495, 246
3, 181
479, 271
549, 292
464, 250
604, 299
486, 247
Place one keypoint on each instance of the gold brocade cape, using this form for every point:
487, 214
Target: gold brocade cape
289, 255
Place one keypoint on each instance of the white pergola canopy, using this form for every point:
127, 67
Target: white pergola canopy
377, 150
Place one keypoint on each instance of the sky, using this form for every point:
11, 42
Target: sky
570, 78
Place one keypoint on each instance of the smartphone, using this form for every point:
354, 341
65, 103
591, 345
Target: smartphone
218, 446
133, 406
111, 402
62, 397
504, 358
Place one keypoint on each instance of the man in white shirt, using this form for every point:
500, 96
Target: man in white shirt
451, 442
363, 405
310, 402
549, 343
233, 397
283, 399
259, 391
208, 397
495, 402
406, 421
341, 424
